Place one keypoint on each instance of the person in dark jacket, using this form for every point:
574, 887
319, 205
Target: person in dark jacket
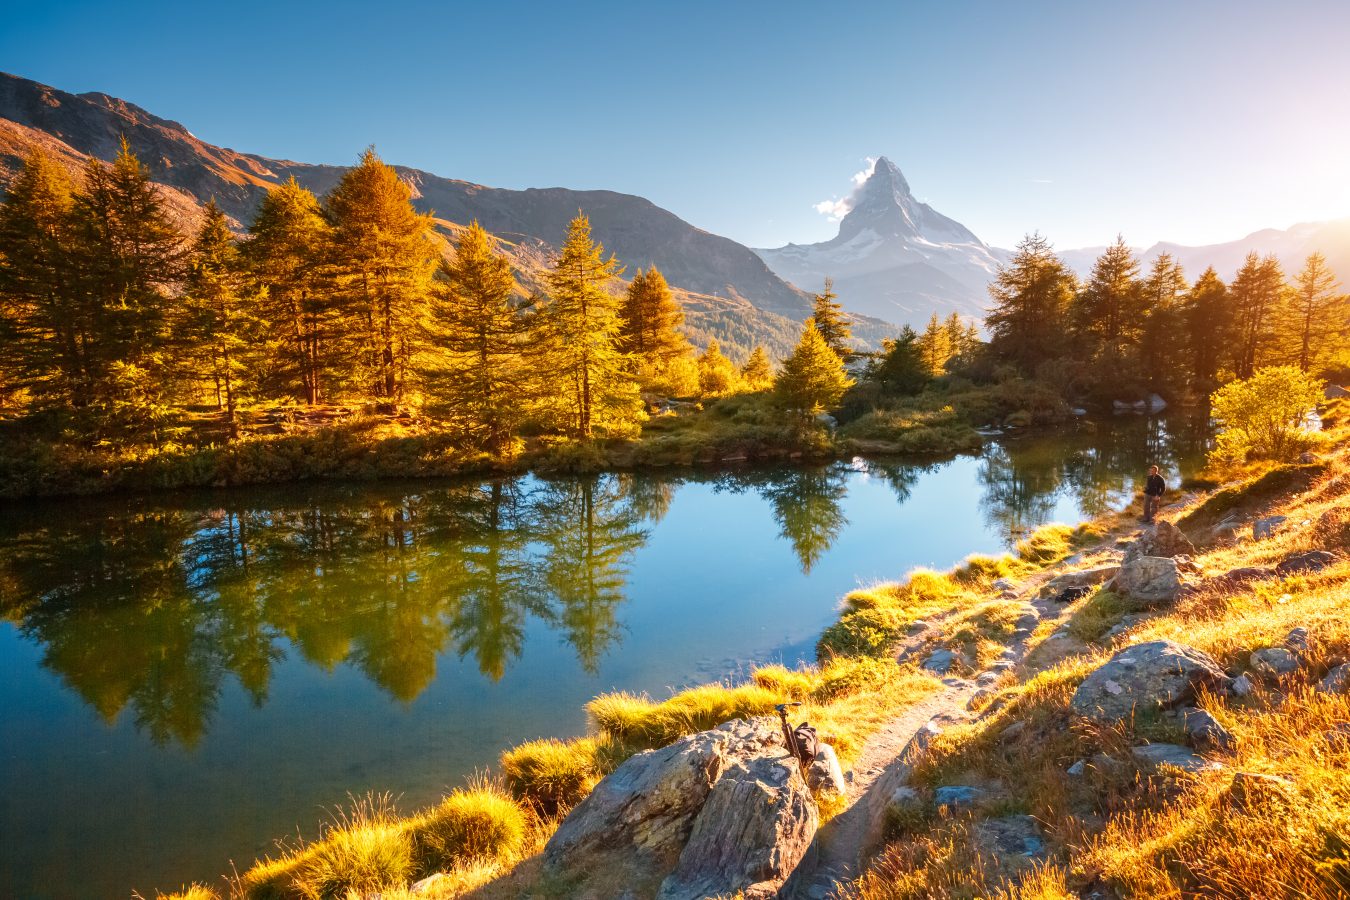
1154, 488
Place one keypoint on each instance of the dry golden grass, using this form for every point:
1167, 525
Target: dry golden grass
191, 892
1188, 836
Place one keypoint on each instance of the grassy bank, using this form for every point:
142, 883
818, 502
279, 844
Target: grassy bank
283, 444
1268, 818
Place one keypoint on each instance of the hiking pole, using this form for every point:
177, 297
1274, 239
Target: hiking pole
791, 737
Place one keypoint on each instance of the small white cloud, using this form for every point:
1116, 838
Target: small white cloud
838, 207
1042, 181
866, 173
835, 209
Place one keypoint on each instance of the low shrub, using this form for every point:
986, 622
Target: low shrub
552, 775
481, 823
641, 722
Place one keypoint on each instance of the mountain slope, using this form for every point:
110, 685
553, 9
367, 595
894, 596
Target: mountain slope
1292, 246
728, 279
894, 257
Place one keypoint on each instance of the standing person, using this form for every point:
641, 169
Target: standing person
1154, 488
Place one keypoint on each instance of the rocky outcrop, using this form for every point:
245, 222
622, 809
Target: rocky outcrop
1163, 540
717, 812
1150, 581
1158, 674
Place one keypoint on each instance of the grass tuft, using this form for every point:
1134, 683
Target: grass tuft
478, 824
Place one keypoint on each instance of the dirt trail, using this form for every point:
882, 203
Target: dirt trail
843, 844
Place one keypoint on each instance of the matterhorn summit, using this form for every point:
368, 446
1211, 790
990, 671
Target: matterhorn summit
894, 257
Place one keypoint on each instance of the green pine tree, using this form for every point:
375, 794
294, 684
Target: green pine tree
216, 322
594, 390
126, 255
935, 346
757, 373
1207, 327
831, 321
1317, 313
1257, 294
383, 256
652, 320
717, 375
1107, 319
43, 330
812, 379
1162, 339
286, 260
1030, 297
901, 368
482, 372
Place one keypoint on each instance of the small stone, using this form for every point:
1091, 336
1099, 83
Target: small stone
1297, 640
825, 776
940, 662
1172, 755
1004, 584
1241, 686
1274, 661
1205, 731
957, 796
1253, 788
1013, 731
1337, 681
917, 626
1307, 458
1078, 769
1264, 528
978, 697
1308, 561
987, 678
430, 883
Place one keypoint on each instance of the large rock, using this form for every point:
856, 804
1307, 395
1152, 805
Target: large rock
1273, 662
1150, 581
633, 832
754, 828
1158, 674
1163, 539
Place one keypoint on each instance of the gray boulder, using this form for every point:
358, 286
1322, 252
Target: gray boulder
1243, 575
957, 796
1297, 640
825, 776
1150, 581
755, 827
1226, 532
1162, 539
635, 828
1337, 681
940, 662
1205, 732
1158, 674
1273, 662
1266, 527
1308, 561
1241, 686
1157, 756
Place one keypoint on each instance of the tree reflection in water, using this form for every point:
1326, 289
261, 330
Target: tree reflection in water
150, 606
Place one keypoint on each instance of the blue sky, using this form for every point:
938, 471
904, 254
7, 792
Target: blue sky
1187, 121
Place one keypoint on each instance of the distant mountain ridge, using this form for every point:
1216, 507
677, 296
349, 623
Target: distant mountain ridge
727, 277
1290, 245
894, 257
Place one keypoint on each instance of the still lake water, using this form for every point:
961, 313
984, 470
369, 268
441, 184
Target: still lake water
185, 677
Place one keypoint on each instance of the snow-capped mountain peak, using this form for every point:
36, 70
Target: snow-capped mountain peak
894, 257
